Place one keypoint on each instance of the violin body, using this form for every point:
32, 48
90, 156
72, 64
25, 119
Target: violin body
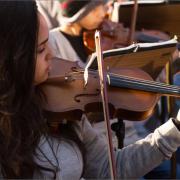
114, 35
68, 98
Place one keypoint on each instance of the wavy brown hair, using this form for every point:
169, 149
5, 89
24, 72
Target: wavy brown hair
21, 117
21, 122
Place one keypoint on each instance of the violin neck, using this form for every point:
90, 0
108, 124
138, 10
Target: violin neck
143, 85
142, 37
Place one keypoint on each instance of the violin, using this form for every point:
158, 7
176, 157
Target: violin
111, 37
132, 93
115, 35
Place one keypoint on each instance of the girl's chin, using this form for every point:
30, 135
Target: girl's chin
41, 80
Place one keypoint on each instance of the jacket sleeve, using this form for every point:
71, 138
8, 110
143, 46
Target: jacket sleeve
132, 161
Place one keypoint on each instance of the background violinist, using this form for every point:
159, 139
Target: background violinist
77, 16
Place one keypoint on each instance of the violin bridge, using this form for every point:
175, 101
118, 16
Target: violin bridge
68, 78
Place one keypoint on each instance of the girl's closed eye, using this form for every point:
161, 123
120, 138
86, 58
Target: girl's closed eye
41, 49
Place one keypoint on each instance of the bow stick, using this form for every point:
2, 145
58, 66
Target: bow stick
103, 77
133, 22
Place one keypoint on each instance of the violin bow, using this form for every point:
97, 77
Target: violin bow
103, 86
133, 22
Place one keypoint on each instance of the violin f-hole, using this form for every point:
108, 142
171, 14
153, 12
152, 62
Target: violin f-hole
86, 95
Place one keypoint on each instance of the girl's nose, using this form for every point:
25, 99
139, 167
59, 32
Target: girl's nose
50, 54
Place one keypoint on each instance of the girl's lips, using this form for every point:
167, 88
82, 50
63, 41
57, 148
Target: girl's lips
48, 70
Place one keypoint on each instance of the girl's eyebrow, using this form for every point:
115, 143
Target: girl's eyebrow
43, 42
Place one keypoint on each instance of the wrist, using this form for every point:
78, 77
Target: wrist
176, 120
178, 115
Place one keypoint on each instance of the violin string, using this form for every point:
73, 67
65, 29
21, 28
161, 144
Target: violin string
137, 79
148, 86
134, 85
139, 82
143, 86
146, 82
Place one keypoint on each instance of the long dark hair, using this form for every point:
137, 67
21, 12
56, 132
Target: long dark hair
21, 117
21, 122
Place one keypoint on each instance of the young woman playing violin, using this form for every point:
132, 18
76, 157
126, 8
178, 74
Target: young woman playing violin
28, 149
